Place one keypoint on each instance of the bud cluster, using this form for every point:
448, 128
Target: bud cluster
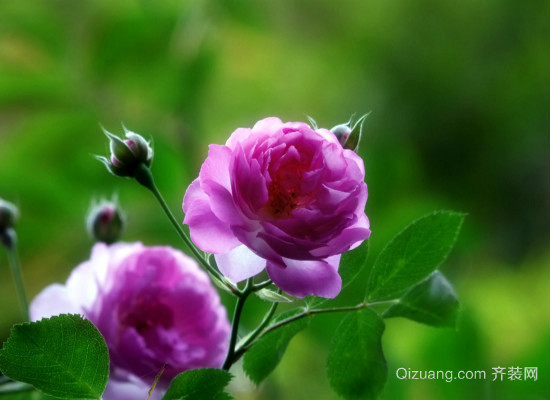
127, 155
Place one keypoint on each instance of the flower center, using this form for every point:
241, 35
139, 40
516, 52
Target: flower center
285, 191
147, 313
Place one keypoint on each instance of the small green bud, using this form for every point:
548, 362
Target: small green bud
105, 221
8, 215
128, 154
349, 134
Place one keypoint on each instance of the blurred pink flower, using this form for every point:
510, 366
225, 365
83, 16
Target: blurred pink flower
284, 197
153, 305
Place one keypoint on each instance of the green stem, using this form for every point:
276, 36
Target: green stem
235, 324
253, 335
15, 266
262, 285
145, 178
157, 378
307, 312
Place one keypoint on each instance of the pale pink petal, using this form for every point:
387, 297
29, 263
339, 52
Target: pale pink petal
240, 263
53, 300
130, 390
268, 125
238, 136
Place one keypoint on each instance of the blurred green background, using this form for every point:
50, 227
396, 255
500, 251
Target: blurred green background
459, 94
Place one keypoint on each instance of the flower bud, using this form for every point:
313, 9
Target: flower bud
8, 215
127, 155
105, 222
349, 134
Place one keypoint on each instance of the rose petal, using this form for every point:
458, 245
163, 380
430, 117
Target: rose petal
129, 390
305, 278
240, 263
347, 239
237, 136
268, 125
216, 167
53, 300
207, 231
249, 185
328, 135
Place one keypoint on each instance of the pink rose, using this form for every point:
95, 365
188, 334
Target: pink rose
284, 197
153, 305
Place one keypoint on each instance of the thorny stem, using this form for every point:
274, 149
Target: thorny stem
235, 324
145, 178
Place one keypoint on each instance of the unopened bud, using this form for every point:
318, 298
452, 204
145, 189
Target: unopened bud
349, 134
105, 222
8, 215
127, 155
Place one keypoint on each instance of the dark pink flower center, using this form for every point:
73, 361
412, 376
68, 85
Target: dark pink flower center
147, 313
284, 191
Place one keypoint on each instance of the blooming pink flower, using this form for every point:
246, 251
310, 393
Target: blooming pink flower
153, 305
280, 196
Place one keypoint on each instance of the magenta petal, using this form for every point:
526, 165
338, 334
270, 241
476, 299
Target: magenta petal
216, 166
328, 135
305, 278
240, 263
347, 239
53, 300
222, 205
238, 136
268, 125
207, 231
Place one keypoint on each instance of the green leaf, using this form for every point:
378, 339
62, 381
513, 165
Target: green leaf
63, 356
356, 366
351, 264
413, 255
270, 295
199, 384
264, 355
432, 302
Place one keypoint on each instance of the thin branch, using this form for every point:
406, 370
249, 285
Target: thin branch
235, 324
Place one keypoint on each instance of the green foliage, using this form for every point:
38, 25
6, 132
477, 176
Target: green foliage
199, 384
64, 356
351, 264
262, 358
356, 366
433, 302
413, 255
